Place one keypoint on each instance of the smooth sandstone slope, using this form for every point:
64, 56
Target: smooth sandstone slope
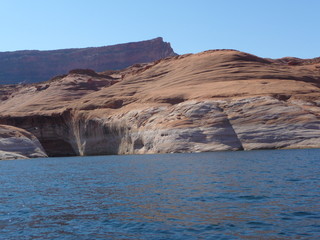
215, 100
17, 143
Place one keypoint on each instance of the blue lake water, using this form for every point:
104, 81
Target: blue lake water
271, 194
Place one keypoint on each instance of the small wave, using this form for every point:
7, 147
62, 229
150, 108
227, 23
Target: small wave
252, 197
302, 214
254, 223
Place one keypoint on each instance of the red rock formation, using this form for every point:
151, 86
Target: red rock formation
215, 100
37, 66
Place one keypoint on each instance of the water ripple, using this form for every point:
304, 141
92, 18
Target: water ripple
223, 195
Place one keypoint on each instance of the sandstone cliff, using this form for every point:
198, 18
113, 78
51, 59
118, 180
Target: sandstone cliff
215, 100
17, 143
37, 66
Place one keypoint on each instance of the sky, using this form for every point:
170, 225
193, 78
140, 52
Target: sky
267, 28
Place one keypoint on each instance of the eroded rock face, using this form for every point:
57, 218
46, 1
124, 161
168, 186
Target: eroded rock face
216, 100
37, 66
188, 127
10, 155
17, 143
198, 126
267, 122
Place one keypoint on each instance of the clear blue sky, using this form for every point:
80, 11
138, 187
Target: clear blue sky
267, 28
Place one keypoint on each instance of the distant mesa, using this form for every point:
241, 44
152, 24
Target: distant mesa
33, 66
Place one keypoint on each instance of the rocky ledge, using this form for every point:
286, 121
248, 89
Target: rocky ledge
215, 100
17, 143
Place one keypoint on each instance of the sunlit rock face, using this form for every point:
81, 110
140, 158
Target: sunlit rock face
211, 101
38, 66
17, 143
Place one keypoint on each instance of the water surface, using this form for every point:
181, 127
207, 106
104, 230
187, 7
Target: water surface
224, 195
